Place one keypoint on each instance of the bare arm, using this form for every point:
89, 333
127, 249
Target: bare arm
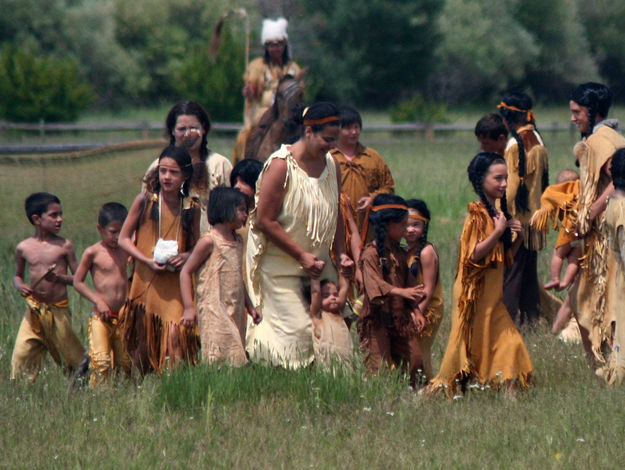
430, 268
599, 206
18, 280
129, 228
198, 256
338, 245
315, 298
270, 199
86, 263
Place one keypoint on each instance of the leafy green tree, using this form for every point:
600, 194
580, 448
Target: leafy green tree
489, 47
366, 51
35, 87
216, 84
603, 22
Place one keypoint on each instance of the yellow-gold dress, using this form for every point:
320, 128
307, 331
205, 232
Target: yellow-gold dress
484, 344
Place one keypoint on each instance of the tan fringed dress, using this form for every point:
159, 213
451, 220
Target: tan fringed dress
332, 340
149, 319
309, 216
220, 300
614, 374
597, 261
484, 344
433, 318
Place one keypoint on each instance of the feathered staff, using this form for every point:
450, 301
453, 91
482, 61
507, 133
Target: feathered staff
216, 41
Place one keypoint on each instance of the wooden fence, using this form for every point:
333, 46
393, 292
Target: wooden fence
143, 129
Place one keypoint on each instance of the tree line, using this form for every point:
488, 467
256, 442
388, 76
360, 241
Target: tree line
58, 57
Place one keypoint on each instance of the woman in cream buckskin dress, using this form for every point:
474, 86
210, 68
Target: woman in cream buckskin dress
294, 225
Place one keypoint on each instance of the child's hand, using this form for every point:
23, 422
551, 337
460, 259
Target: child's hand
346, 266
418, 319
515, 226
363, 203
189, 318
414, 293
104, 311
257, 317
500, 223
177, 261
25, 290
154, 266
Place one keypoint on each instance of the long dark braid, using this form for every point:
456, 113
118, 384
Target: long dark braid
477, 170
523, 103
422, 208
380, 219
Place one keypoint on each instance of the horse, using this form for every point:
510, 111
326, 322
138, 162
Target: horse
276, 126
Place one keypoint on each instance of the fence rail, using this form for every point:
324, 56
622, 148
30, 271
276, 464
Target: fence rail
144, 127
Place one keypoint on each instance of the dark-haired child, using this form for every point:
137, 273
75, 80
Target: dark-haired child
47, 323
390, 319
614, 373
527, 160
364, 174
107, 263
423, 264
484, 345
165, 223
221, 297
492, 133
331, 337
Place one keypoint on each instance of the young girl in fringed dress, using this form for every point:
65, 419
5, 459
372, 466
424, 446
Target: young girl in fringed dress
390, 319
331, 338
221, 297
484, 345
423, 264
165, 224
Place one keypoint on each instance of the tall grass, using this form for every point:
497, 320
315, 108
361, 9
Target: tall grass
258, 417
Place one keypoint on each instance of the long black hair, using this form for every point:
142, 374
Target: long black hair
381, 218
477, 170
422, 208
597, 97
514, 118
153, 185
191, 108
618, 169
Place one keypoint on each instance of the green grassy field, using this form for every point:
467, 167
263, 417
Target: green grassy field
270, 418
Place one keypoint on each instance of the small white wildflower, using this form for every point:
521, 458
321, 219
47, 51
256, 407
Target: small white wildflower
390, 413
191, 417
95, 419
366, 408
580, 439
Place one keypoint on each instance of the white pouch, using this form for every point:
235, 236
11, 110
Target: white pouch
165, 250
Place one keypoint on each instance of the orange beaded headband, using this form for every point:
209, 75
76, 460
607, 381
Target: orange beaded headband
530, 114
318, 122
418, 217
381, 207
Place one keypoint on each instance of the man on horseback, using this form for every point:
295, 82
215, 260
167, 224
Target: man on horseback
262, 76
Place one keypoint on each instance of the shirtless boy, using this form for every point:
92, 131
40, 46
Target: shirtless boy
47, 323
107, 263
